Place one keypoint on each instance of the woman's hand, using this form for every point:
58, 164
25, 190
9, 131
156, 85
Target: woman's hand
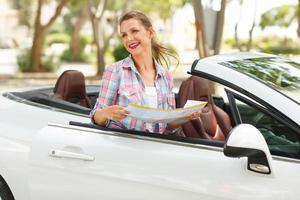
194, 115
114, 112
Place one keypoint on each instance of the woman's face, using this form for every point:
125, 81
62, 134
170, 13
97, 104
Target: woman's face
135, 37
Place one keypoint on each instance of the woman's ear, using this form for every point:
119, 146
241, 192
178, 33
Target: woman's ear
152, 32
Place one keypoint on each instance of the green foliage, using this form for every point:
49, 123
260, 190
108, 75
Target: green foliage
120, 52
166, 8
75, 8
68, 25
57, 38
279, 46
50, 63
242, 42
25, 14
56, 28
279, 16
82, 56
23, 60
115, 5
87, 39
273, 45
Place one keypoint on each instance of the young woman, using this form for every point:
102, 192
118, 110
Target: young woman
140, 78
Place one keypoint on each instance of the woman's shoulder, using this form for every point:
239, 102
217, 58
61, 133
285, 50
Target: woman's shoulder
117, 66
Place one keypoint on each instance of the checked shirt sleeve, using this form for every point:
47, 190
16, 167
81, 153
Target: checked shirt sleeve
108, 89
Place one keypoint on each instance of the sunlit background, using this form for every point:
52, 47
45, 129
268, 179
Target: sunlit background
41, 39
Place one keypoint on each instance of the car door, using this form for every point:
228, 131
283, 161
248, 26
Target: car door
71, 162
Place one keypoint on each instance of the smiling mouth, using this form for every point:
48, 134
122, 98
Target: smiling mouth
133, 45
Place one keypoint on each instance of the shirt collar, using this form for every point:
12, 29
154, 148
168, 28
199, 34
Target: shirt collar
128, 63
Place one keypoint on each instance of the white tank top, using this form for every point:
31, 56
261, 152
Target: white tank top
151, 100
151, 96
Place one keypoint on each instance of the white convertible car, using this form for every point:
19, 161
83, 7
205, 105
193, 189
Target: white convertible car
247, 148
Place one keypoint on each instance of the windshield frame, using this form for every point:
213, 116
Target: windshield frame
231, 63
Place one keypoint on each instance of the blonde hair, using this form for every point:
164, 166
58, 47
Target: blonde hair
160, 53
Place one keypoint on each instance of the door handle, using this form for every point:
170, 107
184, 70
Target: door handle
71, 155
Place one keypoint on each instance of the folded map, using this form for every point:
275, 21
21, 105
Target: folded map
156, 115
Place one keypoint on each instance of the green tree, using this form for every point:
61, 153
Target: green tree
40, 30
24, 11
281, 16
164, 8
104, 17
249, 41
73, 23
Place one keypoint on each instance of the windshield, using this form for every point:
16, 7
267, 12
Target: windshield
281, 74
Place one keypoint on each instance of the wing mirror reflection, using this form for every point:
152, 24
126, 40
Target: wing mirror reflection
246, 141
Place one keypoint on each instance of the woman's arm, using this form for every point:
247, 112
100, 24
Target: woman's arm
104, 108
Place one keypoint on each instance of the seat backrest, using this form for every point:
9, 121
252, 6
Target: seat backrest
70, 86
214, 123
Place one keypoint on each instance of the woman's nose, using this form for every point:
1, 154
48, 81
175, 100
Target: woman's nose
129, 37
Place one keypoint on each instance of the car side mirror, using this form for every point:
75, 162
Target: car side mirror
246, 141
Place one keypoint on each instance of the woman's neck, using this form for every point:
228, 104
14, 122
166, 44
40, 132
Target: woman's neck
143, 62
146, 68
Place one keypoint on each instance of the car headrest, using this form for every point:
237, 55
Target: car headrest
194, 88
70, 86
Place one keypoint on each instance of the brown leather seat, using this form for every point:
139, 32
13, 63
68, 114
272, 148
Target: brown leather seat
70, 86
214, 123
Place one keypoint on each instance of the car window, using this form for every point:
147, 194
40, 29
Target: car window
281, 139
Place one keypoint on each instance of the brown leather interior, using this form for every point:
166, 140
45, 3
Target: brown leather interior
214, 123
70, 86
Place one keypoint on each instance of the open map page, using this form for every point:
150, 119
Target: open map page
155, 115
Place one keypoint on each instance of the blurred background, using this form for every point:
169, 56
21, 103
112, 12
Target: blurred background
39, 39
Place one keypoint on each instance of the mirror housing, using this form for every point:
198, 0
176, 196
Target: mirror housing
246, 141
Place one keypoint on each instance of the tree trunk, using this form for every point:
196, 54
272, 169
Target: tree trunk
200, 28
219, 28
36, 50
39, 33
99, 49
75, 38
236, 37
75, 44
97, 20
249, 45
298, 14
100, 61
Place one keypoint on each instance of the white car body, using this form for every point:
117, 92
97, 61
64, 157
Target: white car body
43, 157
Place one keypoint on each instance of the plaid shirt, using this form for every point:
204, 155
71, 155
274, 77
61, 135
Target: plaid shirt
122, 85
